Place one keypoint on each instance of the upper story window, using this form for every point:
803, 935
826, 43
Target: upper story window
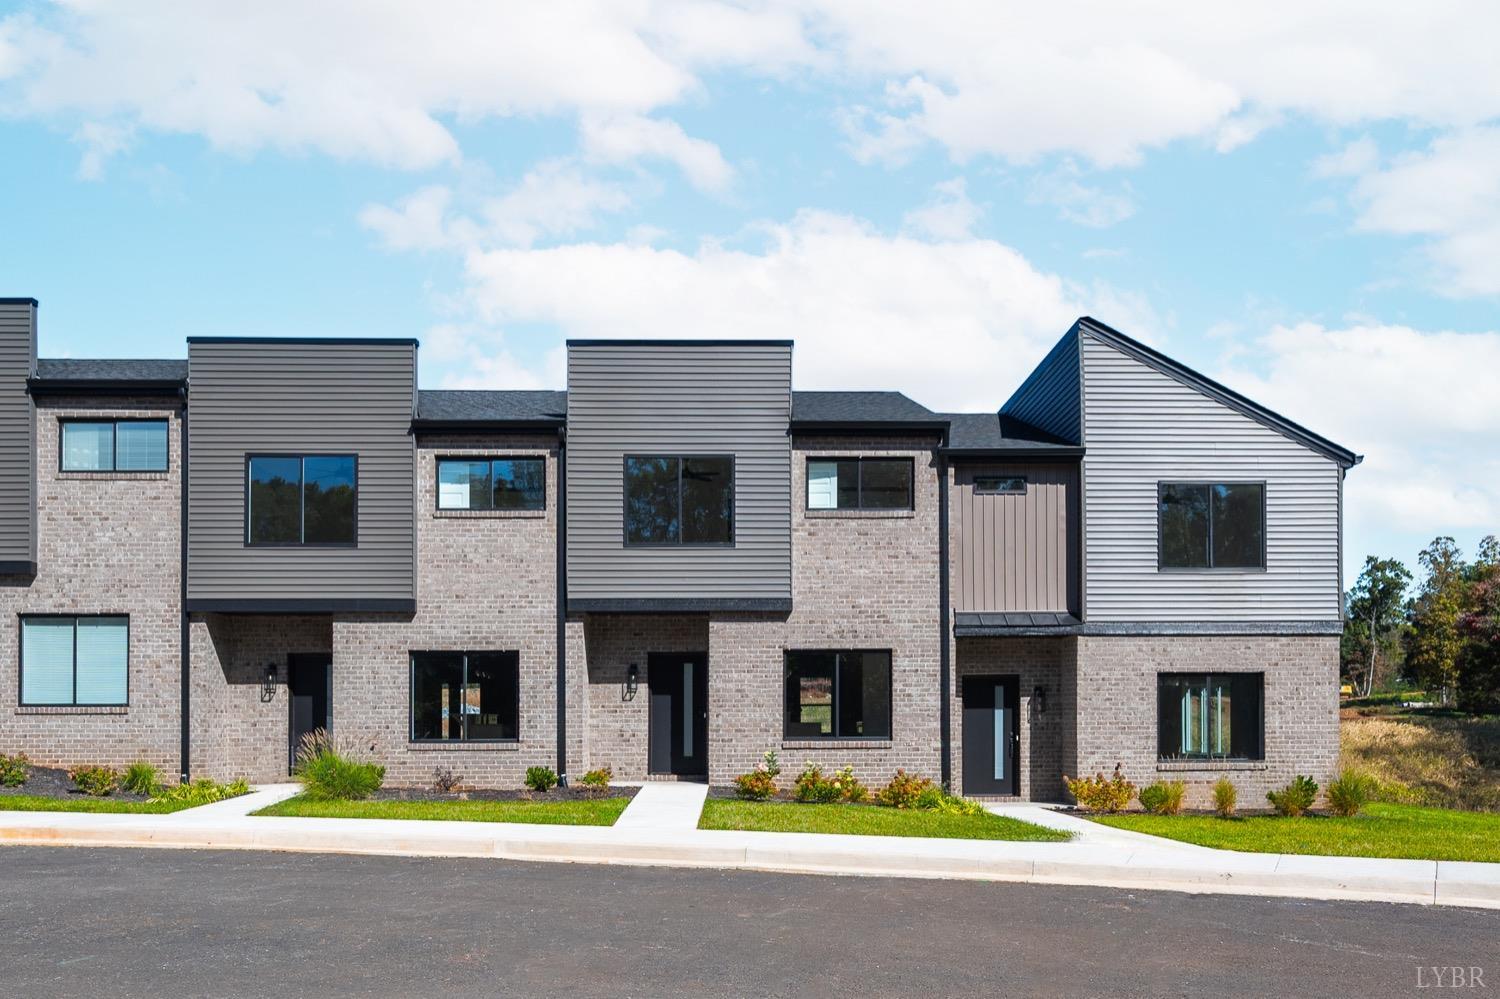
1000, 485
75, 660
1210, 716
859, 483
491, 484
679, 500
126, 445
1211, 525
301, 499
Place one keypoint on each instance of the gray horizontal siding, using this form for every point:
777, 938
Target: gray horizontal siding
669, 398
17, 433
1049, 398
1143, 427
1018, 552
301, 398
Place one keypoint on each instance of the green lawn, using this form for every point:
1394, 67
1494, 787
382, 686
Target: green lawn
1403, 831
866, 820
80, 803
591, 812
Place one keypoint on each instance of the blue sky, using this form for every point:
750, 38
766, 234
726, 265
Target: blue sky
1304, 203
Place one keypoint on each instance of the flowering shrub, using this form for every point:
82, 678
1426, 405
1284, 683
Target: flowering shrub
95, 781
813, 788
849, 787
903, 790
1101, 794
757, 785
597, 779
771, 763
1163, 797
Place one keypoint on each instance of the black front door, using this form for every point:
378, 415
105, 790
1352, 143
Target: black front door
309, 680
992, 734
679, 713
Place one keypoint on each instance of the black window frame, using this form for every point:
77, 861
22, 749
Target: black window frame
301, 457
680, 458
1257, 754
1209, 484
411, 694
21, 620
114, 422
833, 707
980, 490
859, 459
437, 481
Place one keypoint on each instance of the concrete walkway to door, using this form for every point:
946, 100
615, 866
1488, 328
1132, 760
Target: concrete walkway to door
664, 805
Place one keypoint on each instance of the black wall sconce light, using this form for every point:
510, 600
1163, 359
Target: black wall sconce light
632, 681
268, 685
1039, 698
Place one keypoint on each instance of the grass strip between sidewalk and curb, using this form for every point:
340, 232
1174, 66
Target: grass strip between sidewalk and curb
599, 812
867, 820
1389, 831
42, 803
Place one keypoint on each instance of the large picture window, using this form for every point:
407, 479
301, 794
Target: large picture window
1209, 715
301, 499
465, 696
838, 695
1211, 525
491, 484
859, 483
114, 446
679, 500
75, 660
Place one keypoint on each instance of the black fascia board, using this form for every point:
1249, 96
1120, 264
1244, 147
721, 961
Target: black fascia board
23, 300
939, 427
361, 341
678, 605
1067, 453
674, 341
331, 605
104, 386
485, 426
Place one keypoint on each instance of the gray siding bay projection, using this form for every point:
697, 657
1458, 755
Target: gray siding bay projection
1049, 398
1143, 426
679, 398
17, 436
1018, 551
298, 397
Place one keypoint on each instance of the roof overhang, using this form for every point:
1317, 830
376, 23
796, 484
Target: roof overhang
935, 427
1024, 624
680, 605
1013, 453
105, 386
420, 426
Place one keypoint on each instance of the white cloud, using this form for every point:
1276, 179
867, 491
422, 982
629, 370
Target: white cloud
948, 215
624, 138
1078, 202
100, 142
854, 299
1423, 407
1358, 157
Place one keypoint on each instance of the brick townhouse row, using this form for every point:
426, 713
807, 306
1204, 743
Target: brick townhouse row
673, 566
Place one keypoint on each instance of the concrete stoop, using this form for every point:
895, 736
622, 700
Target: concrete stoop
1112, 864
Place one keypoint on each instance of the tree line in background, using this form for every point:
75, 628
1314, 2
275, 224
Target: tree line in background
1443, 633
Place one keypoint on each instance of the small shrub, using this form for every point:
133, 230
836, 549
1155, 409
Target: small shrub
1100, 793
849, 787
1296, 798
1163, 797
331, 771
771, 763
597, 779
541, 779
202, 791
95, 781
14, 770
445, 781
141, 778
933, 798
757, 785
1351, 792
813, 788
1224, 797
903, 790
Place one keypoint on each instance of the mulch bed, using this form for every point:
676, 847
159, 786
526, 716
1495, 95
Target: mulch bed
47, 782
483, 794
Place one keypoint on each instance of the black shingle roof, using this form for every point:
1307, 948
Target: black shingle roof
484, 406
834, 408
990, 432
110, 370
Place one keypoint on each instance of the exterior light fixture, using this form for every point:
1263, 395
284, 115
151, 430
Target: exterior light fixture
1039, 698
632, 681
268, 686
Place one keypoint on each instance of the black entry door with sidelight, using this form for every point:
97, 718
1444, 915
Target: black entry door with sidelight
679, 714
992, 735
309, 680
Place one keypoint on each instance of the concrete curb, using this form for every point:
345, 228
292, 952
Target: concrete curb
1206, 871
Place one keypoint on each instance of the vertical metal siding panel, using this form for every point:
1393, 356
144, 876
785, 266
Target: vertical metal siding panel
301, 398
668, 398
1144, 427
17, 433
1014, 552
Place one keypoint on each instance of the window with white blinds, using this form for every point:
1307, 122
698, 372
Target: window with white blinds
114, 446
75, 660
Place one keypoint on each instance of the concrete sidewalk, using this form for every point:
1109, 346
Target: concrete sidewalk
1087, 861
664, 805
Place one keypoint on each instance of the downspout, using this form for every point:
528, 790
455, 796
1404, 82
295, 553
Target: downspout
945, 709
185, 632
562, 606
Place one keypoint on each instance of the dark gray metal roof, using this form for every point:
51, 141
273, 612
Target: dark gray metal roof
1009, 622
833, 409
436, 407
991, 432
90, 369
